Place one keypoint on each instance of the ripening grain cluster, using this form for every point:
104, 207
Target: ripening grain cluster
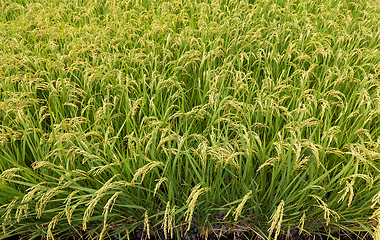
223, 115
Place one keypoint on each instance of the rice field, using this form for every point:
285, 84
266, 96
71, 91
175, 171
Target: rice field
223, 115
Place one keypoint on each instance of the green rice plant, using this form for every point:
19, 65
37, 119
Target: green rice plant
258, 116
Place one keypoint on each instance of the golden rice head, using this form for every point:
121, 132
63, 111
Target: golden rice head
276, 220
241, 205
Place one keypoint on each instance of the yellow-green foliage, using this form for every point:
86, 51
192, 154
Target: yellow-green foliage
251, 115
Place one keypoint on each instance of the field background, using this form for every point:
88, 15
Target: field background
169, 115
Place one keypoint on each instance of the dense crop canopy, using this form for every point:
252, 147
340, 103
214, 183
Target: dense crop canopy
162, 115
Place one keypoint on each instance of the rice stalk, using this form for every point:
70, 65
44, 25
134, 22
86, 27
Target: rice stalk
144, 170
7, 215
241, 205
276, 220
146, 223
90, 209
327, 212
191, 201
24, 205
45, 198
67, 202
347, 189
302, 223
108, 208
52, 225
160, 181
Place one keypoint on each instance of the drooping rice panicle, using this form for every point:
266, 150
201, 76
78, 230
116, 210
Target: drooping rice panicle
238, 114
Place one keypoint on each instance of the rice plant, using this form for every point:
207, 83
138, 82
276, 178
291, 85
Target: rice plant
259, 116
